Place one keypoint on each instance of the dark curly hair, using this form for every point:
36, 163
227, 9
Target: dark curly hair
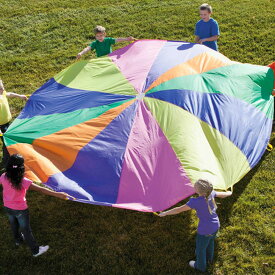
15, 170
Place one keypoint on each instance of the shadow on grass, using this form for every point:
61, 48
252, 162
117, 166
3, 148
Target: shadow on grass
225, 208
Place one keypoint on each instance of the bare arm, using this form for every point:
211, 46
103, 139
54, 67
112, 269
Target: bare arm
211, 38
223, 194
45, 191
130, 38
197, 38
17, 95
83, 52
175, 211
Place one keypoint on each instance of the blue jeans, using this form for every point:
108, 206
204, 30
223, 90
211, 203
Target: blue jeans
204, 250
20, 223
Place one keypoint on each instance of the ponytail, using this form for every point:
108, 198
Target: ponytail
208, 205
15, 171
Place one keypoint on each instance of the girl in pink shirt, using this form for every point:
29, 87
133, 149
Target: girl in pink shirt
15, 186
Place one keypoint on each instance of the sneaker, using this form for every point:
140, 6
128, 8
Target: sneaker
192, 264
42, 249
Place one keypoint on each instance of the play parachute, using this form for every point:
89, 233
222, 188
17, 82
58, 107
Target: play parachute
135, 129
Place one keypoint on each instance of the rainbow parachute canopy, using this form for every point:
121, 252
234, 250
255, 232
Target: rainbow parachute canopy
135, 129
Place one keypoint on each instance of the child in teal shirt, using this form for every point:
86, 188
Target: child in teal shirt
102, 45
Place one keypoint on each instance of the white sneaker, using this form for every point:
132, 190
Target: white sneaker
42, 249
192, 264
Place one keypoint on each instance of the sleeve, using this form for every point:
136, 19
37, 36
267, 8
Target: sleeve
93, 45
26, 183
191, 203
112, 40
1, 178
214, 194
215, 28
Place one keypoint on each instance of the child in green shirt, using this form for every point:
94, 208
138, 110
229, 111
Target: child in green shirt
102, 45
5, 115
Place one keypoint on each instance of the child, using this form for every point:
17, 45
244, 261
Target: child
207, 29
15, 186
209, 224
5, 115
102, 45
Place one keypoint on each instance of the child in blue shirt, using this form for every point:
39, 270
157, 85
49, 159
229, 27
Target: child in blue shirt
209, 223
102, 44
207, 29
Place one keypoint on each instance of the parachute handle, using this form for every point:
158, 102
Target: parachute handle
269, 147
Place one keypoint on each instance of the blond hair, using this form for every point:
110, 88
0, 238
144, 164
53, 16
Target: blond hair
205, 6
98, 29
205, 188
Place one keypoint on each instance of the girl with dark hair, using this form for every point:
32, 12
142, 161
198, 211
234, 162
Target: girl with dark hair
15, 186
209, 224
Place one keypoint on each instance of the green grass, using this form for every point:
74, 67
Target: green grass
39, 39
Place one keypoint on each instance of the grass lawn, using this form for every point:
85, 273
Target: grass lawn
39, 39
